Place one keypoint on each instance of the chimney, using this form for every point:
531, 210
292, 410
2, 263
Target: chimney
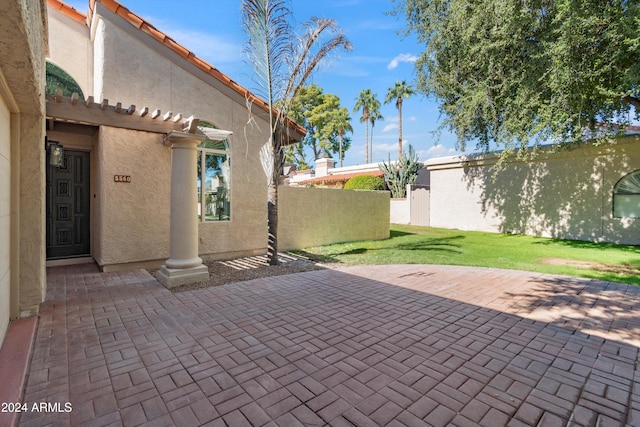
323, 165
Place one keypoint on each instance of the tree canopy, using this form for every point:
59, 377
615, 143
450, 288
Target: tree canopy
514, 72
325, 121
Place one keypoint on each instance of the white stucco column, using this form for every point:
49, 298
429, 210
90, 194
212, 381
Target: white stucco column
184, 266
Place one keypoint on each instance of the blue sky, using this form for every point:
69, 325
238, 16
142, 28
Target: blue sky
213, 31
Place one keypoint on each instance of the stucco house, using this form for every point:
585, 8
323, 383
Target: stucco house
146, 157
116, 172
152, 85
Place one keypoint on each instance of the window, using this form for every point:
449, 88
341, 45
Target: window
626, 196
214, 179
57, 78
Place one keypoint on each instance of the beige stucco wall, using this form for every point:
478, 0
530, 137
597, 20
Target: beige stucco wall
32, 214
131, 221
319, 216
71, 49
246, 233
565, 195
5, 217
147, 74
137, 69
22, 48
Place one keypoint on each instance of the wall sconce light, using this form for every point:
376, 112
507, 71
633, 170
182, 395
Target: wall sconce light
56, 153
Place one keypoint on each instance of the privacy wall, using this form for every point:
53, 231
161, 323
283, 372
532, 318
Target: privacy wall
566, 194
319, 216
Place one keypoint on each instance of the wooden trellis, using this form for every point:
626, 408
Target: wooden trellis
73, 110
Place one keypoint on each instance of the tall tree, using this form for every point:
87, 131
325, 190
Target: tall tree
282, 61
341, 123
362, 102
513, 73
399, 92
374, 116
317, 112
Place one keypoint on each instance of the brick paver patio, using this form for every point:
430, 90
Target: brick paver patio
365, 346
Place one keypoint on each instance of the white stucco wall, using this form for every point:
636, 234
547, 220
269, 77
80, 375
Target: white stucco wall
5, 217
319, 216
400, 211
565, 195
70, 48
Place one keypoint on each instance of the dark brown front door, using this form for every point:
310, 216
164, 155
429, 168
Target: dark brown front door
68, 206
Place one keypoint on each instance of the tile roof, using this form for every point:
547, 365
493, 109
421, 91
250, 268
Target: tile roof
71, 12
341, 177
163, 38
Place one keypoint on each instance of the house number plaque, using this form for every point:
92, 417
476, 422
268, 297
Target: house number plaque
122, 178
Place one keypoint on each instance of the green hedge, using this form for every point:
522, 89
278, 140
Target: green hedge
365, 182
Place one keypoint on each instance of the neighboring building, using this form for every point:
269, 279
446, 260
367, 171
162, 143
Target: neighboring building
326, 175
587, 193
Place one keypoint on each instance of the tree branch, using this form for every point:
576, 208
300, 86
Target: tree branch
632, 100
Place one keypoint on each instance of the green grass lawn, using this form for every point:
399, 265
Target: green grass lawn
425, 245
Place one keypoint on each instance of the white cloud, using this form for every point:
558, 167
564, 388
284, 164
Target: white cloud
437, 151
403, 57
390, 126
385, 148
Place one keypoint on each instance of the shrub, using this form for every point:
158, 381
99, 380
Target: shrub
365, 182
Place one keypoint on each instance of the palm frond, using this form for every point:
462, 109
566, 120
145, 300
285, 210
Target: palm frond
268, 45
267, 159
311, 50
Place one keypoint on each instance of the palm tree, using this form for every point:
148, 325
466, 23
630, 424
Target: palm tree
271, 46
374, 115
363, 101
398, 93
342, 124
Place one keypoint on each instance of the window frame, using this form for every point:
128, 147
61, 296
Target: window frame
617, 192
202, 152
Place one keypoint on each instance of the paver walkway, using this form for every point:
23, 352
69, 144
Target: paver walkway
365, 346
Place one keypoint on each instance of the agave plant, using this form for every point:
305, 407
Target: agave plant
282, 61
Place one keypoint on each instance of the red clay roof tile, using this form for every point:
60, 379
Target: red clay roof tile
342, 177
67, 10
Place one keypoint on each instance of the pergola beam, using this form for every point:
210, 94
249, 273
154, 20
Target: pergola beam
68, 109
